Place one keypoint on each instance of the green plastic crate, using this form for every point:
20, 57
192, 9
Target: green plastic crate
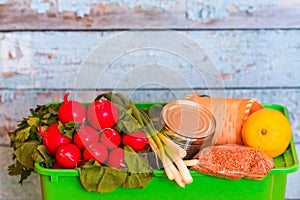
64, 184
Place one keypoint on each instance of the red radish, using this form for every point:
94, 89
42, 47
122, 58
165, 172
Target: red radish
85, 136
52, 138
56, 166
137, 140
102, 114
68, 156
71, 111
87, 155
111, 138
116, 158
96, 151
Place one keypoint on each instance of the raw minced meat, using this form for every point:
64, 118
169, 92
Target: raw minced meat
233, 162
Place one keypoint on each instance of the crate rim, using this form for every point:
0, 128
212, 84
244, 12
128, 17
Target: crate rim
277, 170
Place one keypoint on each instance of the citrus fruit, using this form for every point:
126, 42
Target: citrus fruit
267, 130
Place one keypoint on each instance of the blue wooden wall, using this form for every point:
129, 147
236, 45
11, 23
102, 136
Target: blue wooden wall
254, 45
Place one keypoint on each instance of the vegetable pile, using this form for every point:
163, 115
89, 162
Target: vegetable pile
111, 142
114, 143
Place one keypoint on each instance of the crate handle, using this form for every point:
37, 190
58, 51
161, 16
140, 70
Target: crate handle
54, 178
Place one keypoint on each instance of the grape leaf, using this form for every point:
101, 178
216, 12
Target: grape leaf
138, 167
97, 178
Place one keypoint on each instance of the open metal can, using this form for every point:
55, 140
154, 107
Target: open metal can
189, 124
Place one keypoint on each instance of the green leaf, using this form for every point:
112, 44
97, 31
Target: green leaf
135, 163
14, 169
17, 169
129, 126
136, 114
52, 120
47, 116
121, 100
33, 121
69, 128
45, 121
117, 98
126, 122
22, 134
137, 180
37, 157
138, 167
61, 127
53, 109
26, 140
34, 134
24, 175
96, 178
42, 156
24, 153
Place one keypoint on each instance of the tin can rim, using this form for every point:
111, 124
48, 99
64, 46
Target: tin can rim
189, 107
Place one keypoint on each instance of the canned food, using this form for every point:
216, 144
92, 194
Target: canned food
190, 125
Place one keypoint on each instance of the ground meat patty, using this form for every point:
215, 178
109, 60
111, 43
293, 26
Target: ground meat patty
233, 162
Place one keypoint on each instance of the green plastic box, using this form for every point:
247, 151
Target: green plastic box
64, 184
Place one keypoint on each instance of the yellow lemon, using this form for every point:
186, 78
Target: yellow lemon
267, 130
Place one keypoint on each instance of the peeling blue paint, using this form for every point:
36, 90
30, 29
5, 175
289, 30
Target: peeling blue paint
83, 7
40, 6
204, 10
207, 10
239, 53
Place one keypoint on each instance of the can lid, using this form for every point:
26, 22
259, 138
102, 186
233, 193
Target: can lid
188, 119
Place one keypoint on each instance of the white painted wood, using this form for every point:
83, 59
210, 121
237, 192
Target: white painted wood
255, 46
170, 14
253, 58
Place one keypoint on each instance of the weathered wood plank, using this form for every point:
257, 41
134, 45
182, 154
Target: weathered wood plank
171, 14
252, 58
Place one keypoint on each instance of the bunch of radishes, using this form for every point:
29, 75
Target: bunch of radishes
95, 140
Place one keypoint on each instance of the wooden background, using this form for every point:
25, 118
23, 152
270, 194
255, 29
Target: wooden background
255, 46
